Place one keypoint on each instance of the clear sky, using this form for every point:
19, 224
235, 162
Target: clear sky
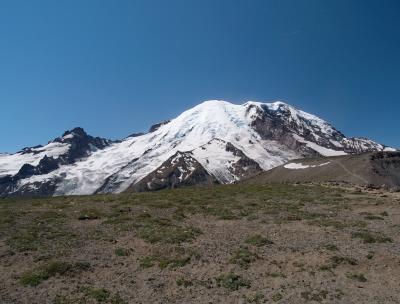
116, 67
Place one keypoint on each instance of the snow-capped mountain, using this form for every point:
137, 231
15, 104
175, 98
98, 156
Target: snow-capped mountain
216, 141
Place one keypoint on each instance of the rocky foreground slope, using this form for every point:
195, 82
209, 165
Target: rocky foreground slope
368, 169
214, 142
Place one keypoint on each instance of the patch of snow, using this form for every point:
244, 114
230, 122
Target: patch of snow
321, 150
336, 143
297, 166
68, 136
216, 160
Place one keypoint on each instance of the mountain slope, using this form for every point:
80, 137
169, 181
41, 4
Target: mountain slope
372, 168
231, 142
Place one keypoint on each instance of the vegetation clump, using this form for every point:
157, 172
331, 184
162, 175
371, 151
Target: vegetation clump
89, 214
373, 217
179, 257
357, 277
331, 247
99, 294
255, 298
258, 240
122, 252
335, 261
243, 257
317, 296
46, 229
183, 282
370, 237
40, 274
231, 281
159, 230
276, 275
277, 297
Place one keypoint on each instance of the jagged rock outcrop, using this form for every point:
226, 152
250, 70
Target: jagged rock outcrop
179, 170
156, 126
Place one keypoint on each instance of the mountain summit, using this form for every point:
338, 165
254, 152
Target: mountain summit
213, 142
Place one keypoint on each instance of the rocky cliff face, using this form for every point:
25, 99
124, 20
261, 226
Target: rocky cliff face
223, 142
179, 170
301, 132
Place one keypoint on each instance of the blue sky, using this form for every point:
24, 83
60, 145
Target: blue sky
116, 67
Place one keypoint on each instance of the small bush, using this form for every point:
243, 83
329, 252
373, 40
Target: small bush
243, 257
357, 277
331, 247
164, 261
89, 214
373, 217
370, 238
277, 275
255, 298
117, 299
173, 262
34, 278
277, 297
317, 296
99, 294
183, 282
231, 281
147, 262
258, 240
122, 252
335, 261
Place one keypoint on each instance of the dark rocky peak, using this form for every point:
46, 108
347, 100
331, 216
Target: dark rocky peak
78, 131
135, 134
156, 126
26, 170
71, 135
79, 143
179, 170
78, 137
